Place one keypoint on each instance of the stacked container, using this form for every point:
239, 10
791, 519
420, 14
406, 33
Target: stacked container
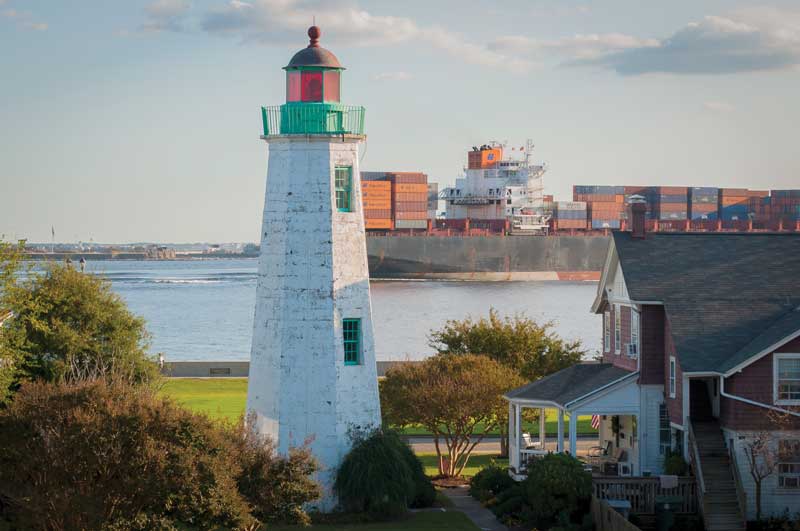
409, 199
570, 215
376, 195
673, 203
650, 195
703, 203
785, 205
734, 204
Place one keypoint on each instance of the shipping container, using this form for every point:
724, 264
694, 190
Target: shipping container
576, 224
606, 223
484, 158
378, 223
373, 176
385, 213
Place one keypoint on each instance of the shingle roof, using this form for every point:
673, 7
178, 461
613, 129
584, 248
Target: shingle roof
568, 384
720, 291
780, 329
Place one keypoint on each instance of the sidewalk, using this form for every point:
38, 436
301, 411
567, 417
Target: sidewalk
481, 516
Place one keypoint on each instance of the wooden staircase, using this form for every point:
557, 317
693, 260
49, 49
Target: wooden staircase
721, 507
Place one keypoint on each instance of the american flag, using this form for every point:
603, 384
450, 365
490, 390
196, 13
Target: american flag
595, 421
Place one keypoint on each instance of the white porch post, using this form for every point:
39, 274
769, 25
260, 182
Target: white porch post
513, 448
542, 431
518, 422
560, 443
573, 434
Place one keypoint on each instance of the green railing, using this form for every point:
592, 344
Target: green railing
313, 119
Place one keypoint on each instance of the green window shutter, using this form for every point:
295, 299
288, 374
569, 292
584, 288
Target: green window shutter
344, 188
351, 332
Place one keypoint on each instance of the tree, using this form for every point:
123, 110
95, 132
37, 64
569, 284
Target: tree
67, 325
530, 349
458, 398
762, 451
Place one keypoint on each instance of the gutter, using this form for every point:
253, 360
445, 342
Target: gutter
752, 402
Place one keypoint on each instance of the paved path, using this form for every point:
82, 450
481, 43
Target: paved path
480, 515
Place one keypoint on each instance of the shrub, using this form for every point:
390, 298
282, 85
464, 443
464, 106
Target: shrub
675, 465
117, 457
489, 482
275, 488
382, 476
557, 491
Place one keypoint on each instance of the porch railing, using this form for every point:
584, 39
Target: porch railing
737, 478
641, 492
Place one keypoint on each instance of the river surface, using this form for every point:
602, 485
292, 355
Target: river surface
203, 309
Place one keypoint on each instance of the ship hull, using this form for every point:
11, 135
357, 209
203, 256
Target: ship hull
487, 258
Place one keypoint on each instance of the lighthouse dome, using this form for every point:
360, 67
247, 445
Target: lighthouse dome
314, 55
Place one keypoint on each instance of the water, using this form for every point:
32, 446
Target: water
203, 309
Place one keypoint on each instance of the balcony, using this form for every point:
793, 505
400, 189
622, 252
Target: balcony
312, 119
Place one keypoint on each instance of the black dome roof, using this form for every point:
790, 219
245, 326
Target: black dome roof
314, 55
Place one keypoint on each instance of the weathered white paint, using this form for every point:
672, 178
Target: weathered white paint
775, 501
312, 274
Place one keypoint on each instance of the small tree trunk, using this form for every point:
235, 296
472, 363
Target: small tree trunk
504, 440
758, 499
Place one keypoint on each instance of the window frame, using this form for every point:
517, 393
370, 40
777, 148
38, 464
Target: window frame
776, 359
673, 376
635, 331
617, 329
664, 428
607, 331
347, 190
794, 463
356, 341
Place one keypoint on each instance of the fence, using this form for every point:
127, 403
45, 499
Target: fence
607, 519
641, 492
313, 119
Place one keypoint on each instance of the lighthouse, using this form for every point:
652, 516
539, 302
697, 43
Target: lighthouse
313, 378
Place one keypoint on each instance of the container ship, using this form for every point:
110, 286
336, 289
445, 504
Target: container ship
499, 225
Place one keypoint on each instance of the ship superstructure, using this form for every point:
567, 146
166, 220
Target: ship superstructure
496, 186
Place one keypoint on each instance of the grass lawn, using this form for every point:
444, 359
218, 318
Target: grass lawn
224, 398
474, 465
422, 521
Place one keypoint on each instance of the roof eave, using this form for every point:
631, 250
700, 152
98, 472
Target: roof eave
755, 357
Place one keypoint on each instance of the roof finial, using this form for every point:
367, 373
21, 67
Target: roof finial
314, 32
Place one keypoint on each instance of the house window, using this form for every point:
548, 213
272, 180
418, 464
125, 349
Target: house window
617, 329
789, 464
672, 376
607, 331
664, 431
344, 185
634, 332
351, 332
787, 379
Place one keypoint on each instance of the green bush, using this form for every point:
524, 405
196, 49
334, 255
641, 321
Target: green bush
489, 482
785, 522
382, 476
675, 465
118, 457
557, 491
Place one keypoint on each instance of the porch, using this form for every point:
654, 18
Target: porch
599, 389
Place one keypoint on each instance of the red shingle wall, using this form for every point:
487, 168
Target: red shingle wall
755, 382
651, 364
674, 405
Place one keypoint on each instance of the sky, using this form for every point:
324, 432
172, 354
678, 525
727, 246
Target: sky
140, 120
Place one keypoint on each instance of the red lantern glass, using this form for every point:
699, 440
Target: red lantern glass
293, 86
311, 86
331, 85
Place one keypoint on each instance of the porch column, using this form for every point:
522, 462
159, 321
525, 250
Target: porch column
518, 422
573, 434
560, 443
542, 431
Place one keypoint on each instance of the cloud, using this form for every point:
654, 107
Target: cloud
165, 15
24, 19
748, 41
282, 21
392, 76
575, 48
718, 106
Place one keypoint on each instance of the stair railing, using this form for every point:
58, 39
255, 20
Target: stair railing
740, 494
698, 473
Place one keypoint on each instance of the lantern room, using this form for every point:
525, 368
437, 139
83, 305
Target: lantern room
314, 74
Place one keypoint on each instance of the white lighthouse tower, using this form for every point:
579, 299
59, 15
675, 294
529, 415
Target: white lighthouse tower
312, 364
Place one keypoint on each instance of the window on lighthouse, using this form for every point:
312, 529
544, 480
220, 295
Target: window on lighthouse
351, 332
344, 184
311, 86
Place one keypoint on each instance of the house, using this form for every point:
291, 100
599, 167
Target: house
701, 345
